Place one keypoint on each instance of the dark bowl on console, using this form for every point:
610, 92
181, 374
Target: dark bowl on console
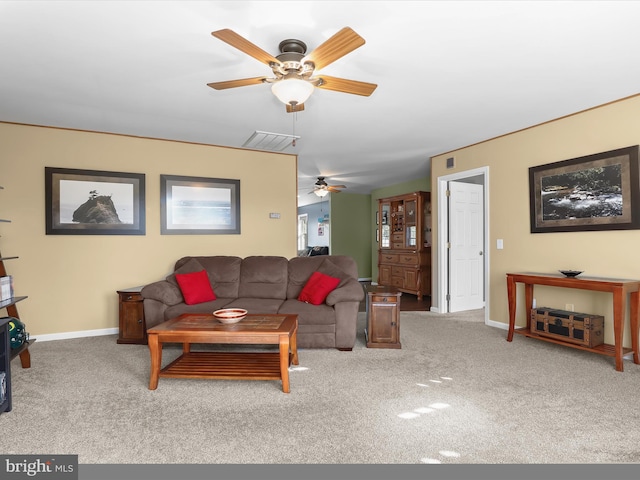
570, 273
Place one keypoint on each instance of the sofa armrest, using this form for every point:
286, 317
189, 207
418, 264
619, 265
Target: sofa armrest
163, 291
351, 291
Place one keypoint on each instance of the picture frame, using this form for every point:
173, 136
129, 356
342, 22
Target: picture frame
94, 202
594, 192
199, 205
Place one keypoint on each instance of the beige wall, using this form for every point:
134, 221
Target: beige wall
71, 280
601, 253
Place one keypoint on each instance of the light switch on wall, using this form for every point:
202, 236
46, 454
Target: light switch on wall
499, 244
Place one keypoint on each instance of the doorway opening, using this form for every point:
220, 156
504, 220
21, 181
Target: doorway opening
463, 239
303, 231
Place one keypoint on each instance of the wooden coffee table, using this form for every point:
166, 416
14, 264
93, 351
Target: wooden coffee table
253, 329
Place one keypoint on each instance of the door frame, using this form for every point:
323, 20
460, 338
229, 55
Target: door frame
443, 230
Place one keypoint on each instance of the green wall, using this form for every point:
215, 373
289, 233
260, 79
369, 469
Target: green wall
350, 229
420, 184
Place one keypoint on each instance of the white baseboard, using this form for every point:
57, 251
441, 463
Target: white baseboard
80, 334
114, 331
493, 323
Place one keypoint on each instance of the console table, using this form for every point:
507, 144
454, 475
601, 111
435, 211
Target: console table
621, 290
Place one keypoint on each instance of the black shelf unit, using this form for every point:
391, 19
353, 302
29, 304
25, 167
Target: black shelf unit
5, 366
7, 354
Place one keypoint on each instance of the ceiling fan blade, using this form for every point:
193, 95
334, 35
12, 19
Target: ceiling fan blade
244, 45
337, 186
337, 46
347, 86
334, 189
243, 82
295, 108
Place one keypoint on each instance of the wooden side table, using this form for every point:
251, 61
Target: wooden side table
133, 329
383, 317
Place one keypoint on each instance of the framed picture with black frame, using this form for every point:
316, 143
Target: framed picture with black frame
594, 192
94, 202
199, 205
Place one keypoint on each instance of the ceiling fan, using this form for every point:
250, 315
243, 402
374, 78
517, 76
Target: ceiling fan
321, 188
293, 69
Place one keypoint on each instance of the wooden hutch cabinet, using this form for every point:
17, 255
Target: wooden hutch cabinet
404, 243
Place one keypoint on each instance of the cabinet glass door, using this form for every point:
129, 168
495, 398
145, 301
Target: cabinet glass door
411, 238
411, 231
427, 224
385, 227
410, 209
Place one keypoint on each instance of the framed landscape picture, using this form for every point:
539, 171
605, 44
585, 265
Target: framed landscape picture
94, 202
198, 205
595, 192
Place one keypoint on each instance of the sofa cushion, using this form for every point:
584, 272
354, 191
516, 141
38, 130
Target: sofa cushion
311, 314
224, 272
317, 288
195, 287
351, 291
263, 277
329, 268
300, 269
164, 292
256, 305
187, 265
201, 308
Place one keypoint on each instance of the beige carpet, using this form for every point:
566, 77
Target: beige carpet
457, 392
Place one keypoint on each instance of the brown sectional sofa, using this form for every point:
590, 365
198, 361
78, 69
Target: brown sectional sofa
268, 284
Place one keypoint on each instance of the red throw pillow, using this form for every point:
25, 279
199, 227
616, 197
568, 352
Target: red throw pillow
317, 288
195, 287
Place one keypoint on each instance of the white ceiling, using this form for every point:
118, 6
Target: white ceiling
449, 74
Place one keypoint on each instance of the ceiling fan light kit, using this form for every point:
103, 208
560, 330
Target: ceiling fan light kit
292, 91
293, 81
321, 192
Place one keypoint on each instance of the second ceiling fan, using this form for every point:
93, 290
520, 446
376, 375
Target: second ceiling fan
293, 69
321, 188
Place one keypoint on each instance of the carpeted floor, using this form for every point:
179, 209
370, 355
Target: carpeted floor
457, 392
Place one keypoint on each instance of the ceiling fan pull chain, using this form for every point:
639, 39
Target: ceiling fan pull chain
293, 119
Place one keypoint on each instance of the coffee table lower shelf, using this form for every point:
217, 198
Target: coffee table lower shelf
603, 349
226, 365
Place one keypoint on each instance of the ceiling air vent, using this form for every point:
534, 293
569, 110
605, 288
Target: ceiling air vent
274, 142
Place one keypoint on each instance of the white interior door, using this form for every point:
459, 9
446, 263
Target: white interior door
466, 252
